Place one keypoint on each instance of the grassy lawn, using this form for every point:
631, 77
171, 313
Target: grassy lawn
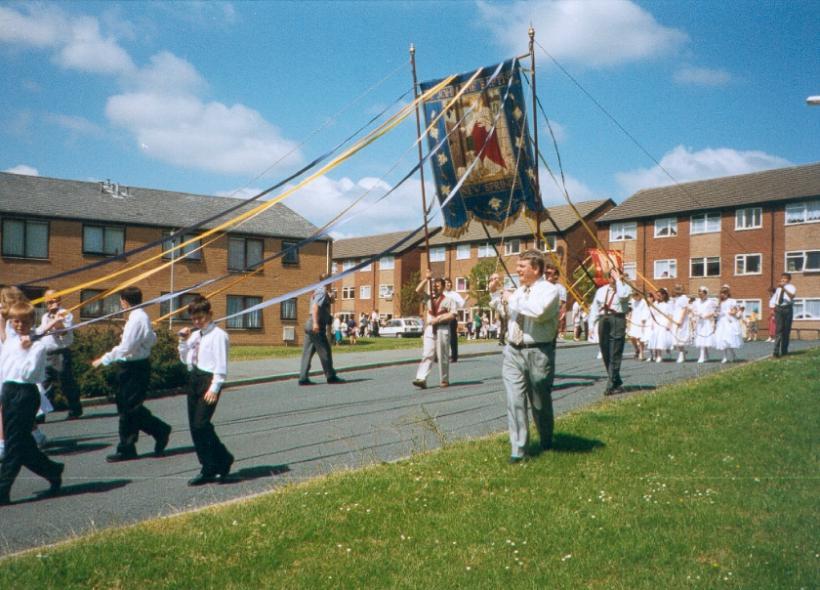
709, 484
249, 353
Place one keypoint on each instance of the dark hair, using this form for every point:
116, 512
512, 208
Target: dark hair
535, 258
132, 295
200, 305
439, 281
664, 294
788, 275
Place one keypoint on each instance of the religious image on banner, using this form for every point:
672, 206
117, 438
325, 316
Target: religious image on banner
602, 261
502, 182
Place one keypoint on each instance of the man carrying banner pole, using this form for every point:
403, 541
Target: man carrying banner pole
612, 302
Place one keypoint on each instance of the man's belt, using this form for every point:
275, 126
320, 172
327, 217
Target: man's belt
529, 345
614, 313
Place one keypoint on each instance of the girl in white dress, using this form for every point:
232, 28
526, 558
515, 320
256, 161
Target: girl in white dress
592, 326
661, 337
727, 333
637, 324
681, 315
704, 310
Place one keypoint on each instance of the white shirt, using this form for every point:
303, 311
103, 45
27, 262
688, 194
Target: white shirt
532, 311
207, 349
704, 307
457, 299
617, 299
562, 292
138, 338
20, 365
789, 291
57, 341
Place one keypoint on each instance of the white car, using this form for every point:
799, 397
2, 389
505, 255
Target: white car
402, 328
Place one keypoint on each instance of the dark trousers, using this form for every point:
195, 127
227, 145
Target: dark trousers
133, 386
454, 340
68, 384
212, 454
20, 403
611, 337
783, 327
318, 344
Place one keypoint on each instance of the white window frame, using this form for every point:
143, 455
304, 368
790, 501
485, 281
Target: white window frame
512, 247
386, 291
348, 264
619, 231
745, 258
670, 224
348, 293
706, 217
462, 284
438, 254
672, 268
801, 255
803, 207
549, 246
364, 292
463, 251
741, 221
366, 268
800, 309
705, 260
486, 250
387, 263
751, 305
631, 270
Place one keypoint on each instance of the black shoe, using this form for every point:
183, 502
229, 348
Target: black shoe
74, 415
224, 474
420, 383
335, 380
5, 500
40, 419
161, 442
118, 457
306, 382
55, 483
201, 479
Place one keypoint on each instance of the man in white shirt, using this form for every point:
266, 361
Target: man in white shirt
436, 339
205, 352
782, 304
131, 355
59, 367
612, 303
528, 369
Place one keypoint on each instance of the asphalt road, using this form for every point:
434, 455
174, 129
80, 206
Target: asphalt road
281, 433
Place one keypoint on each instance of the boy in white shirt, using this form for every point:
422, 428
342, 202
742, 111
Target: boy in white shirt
58, 356
131, 355
22, 364
205, 352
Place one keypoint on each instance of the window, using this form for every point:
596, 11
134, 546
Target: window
179, 302
437, 254
748, 264
385, 291
750, 218
549, 246
348, 292
99, 307
486, 250
806, 212
462, 284
103, 240
806, 261
25, 239
244, 253
666, 269
627, 230
512, 247
511, 283
287, 310
807, 309
248, 321
348, 264
290, 253
631, 270
368, 267
704, 267
705, 223
188, 252
666, 227
364, 292
750, 306
386, 263
462, 251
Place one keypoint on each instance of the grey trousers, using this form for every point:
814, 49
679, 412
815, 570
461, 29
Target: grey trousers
528, 374
318, 344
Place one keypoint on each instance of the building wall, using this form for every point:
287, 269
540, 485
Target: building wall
65, 252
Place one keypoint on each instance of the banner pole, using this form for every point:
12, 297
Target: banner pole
531, 33
421, 156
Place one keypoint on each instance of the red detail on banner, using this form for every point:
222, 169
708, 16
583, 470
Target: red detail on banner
603, 261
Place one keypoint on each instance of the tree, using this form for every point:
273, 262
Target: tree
479, 277
410, 300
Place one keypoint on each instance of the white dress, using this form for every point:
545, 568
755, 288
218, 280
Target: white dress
704, 326
683, 335
727, 332
592, 323
661, 336
638, 320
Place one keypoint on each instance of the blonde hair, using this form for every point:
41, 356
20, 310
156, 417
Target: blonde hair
8, 297
22, 311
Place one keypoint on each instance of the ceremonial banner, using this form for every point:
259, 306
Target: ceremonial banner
482, 125
603, 260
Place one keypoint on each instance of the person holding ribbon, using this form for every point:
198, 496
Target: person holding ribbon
436, 339
782, 304
612, 303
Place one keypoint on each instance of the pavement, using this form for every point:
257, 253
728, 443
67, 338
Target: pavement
282, 433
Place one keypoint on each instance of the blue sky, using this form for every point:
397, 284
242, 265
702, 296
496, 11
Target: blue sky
205, 97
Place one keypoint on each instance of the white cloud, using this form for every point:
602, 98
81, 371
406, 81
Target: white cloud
76, 124
86, 50
553, 194
35, 27
702, 76
595, 34
687, 165
167, 74
23, 169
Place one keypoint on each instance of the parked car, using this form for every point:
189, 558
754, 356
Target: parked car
402, 328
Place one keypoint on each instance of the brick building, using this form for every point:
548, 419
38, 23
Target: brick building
739, 230
455, 257
49, 225
378, 285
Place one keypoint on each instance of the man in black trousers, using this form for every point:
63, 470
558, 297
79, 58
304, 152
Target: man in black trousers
782, 304
316, 335
612, 304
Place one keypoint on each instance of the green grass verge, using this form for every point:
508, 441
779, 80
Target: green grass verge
249, 353
708, 484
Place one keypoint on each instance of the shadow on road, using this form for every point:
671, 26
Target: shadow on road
257, 472
89, 487
72, 447
173, 452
